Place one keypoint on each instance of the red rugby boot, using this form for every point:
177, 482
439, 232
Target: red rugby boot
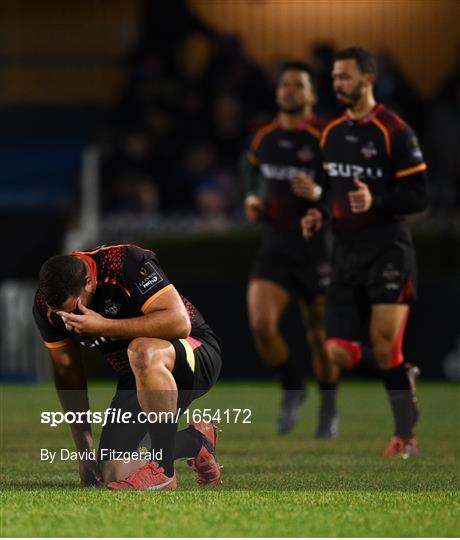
205, 464
150, 477
401, 447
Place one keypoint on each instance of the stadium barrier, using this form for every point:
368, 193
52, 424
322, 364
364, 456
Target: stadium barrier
22, 354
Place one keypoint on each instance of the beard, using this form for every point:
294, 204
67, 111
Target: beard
352, 98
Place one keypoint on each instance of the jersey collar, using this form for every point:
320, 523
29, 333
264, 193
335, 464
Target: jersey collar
308, 120
369, 117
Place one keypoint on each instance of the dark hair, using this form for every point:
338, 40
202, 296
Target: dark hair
298, 66
60, 277
365, 60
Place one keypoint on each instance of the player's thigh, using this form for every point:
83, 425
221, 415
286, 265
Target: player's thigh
311, 279
267, 302
311, 285
386, 325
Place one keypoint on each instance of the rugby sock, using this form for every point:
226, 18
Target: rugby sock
163, 437
328, 398
188, 443
290, 375
401, 398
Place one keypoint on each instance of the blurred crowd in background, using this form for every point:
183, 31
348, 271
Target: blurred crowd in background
174, 141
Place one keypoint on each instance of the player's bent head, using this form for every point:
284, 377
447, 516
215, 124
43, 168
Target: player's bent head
61, 277
365, 60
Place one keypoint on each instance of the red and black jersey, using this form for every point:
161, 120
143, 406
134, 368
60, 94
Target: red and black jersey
129, 279
275, 156
382, 151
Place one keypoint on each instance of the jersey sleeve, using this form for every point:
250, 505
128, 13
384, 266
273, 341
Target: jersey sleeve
251, 154
250, 166
53, 337
407, 154
144, 278
408, 193
251, 175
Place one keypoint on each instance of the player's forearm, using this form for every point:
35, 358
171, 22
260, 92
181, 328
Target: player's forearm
82, 437
409, 197
163, 324
72, 391
251, 176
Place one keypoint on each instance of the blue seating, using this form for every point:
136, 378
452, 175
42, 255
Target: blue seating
40, 155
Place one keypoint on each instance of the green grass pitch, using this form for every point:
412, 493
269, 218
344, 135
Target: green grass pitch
273, 486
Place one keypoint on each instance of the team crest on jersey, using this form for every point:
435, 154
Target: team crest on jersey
305, 153
369, 150
351, 138
285, 143
111, 307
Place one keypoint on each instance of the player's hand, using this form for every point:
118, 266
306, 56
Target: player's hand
254, 208
89, 323
90, 475
361, 198
304, 186
311, 223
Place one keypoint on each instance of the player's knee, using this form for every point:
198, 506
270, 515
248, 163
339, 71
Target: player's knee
338, 355
343, 353
382, 349
143, 355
